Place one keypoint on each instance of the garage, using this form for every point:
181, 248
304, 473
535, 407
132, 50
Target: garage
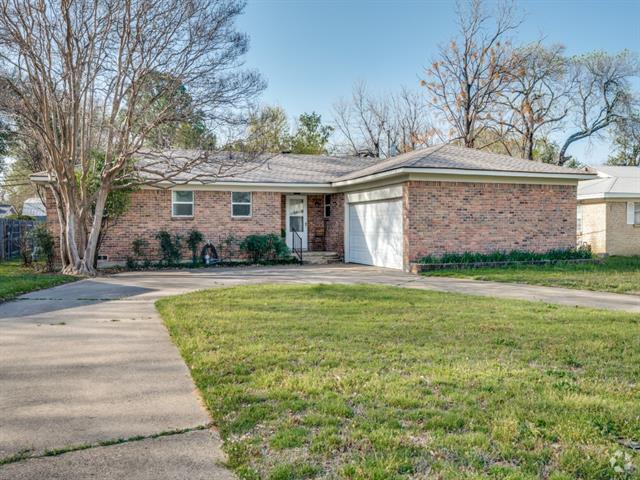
375, 228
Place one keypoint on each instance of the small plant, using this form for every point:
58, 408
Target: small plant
43, 244
139, 248
622, 465
169, 247
26, 249
262, 248
193, 241
131, 263
224, 248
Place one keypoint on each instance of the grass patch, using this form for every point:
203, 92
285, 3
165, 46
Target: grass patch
16, 280
614, 274
369, 382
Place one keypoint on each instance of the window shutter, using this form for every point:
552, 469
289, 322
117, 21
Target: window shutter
631, 210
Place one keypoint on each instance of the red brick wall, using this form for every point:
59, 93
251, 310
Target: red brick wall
334, 224
150, 211
483, 217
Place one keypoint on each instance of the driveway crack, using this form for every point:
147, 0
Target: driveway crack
27, 455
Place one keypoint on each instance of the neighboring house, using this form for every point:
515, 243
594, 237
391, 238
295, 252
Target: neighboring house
370, 211
6, 210
609, 211
34, 207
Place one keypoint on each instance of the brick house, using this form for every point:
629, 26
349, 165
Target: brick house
370, 211
609, 211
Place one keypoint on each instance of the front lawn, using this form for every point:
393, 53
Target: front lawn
614, 274
369, 382
16, 280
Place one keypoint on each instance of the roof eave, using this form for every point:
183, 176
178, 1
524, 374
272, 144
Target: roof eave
610, 196
574, 177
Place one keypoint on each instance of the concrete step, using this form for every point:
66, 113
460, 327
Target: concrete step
320, 258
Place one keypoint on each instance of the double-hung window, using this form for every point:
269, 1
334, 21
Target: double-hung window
182, 203
240, 204
327, 205
579, 219
633, 213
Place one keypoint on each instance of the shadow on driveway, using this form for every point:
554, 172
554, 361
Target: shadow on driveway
71, 295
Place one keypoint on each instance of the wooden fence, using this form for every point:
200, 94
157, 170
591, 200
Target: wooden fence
11, 233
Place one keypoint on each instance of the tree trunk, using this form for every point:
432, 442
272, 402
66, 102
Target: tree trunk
87, 264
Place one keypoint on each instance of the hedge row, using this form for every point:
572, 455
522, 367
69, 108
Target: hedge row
509, 256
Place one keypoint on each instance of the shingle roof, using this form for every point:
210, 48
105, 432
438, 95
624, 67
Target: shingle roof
460, 158
275, 168
315, 169
612, 181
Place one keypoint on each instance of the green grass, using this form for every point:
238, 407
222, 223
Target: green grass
614, 274
16, 280
369, 382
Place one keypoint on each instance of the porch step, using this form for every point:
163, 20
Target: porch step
320, 258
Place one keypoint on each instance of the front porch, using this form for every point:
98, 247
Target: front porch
317, 218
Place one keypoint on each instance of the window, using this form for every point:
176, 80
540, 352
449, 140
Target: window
327, 205
633, 213
240, 204
579, 219
182, 203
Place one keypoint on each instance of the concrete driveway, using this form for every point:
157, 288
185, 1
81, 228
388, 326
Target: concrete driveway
90, 363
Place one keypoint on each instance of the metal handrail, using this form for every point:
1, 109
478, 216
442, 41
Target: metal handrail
296, 251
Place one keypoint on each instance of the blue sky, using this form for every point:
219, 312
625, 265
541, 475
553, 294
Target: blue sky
312, 51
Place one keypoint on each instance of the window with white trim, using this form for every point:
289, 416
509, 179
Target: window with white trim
579, 219
327, 205
240, 204
182, 203
636, 213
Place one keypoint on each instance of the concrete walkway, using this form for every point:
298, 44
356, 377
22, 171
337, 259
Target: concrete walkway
91, 362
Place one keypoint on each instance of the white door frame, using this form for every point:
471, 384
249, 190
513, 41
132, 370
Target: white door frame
304, 234
386, 193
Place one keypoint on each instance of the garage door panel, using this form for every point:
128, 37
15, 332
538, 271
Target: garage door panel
375, 233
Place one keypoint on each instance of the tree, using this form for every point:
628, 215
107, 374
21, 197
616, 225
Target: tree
626, 142
602, 94
468, 75
75, 75
312, 136
268, 130
382, 126
536, 100
184, 125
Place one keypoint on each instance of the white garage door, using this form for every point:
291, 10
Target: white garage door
375, 233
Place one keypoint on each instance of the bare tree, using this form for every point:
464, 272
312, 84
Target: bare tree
382, 126
601, 96
536, 100
75, 74
472, 71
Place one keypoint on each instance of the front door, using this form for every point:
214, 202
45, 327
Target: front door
296, 220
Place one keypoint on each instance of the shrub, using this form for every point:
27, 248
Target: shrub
43, 245
262, 248
224, 248
139, 248
195, 238
510, 256
169, 247
131, 263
